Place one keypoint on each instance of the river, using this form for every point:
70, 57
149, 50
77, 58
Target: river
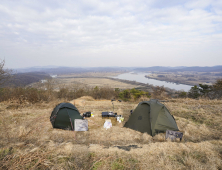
140, 77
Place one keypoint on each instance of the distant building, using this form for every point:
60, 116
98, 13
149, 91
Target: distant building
43, 81
54, 76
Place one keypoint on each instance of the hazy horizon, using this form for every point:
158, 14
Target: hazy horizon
54, 66
111, 34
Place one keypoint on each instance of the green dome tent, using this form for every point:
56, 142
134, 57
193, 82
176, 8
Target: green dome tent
151, 117
63, 116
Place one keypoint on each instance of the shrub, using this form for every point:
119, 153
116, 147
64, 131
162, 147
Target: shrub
126, 95
216, 91
194, 92
203, 90
63, 92
158, 92
182, 94
138, 93
22, 95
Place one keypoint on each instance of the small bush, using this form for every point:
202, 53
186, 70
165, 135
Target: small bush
194, 92
138, 93
134, 94
182, 94
125, 95
23, 95
159, 92
118, 164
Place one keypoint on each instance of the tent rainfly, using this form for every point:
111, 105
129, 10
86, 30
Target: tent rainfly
151, 117
63, 116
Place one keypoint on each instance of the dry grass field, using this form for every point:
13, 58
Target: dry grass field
99, 82
89, 79
28, 141
93, 79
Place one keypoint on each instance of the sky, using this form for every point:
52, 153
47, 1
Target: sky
101, 33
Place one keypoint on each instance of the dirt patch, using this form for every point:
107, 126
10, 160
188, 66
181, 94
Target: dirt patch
82, 100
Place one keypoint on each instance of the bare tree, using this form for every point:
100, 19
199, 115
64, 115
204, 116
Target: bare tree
5, 74
49, 86
158, 92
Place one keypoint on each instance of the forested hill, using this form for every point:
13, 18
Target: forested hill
156, 68
180, 69
197, 69
23, 79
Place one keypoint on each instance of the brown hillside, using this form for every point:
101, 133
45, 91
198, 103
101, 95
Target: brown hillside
28, 141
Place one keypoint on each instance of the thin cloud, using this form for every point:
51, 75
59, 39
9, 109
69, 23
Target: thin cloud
43, 32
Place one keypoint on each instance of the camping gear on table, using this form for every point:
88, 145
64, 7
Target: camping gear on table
173, 135
63, 116
81, 125
88, 114
108, 114
151, 117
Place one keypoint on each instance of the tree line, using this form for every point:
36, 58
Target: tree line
34, 95
203, 90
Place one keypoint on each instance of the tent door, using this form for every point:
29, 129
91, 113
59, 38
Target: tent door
62, 120
145, 122
140, 119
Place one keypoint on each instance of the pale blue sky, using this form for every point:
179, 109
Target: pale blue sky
111, 33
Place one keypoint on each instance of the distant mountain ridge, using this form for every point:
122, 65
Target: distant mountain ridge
68, 70
181, 69
198, 69
157, 68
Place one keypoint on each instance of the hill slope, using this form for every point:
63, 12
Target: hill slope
23, 79
29, 141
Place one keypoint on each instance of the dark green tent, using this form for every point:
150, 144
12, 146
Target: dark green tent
151, 117
63, 116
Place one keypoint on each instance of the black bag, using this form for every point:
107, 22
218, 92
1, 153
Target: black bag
108, 114
87, 114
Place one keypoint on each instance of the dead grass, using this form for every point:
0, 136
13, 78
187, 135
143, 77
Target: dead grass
28, 141
99, 82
